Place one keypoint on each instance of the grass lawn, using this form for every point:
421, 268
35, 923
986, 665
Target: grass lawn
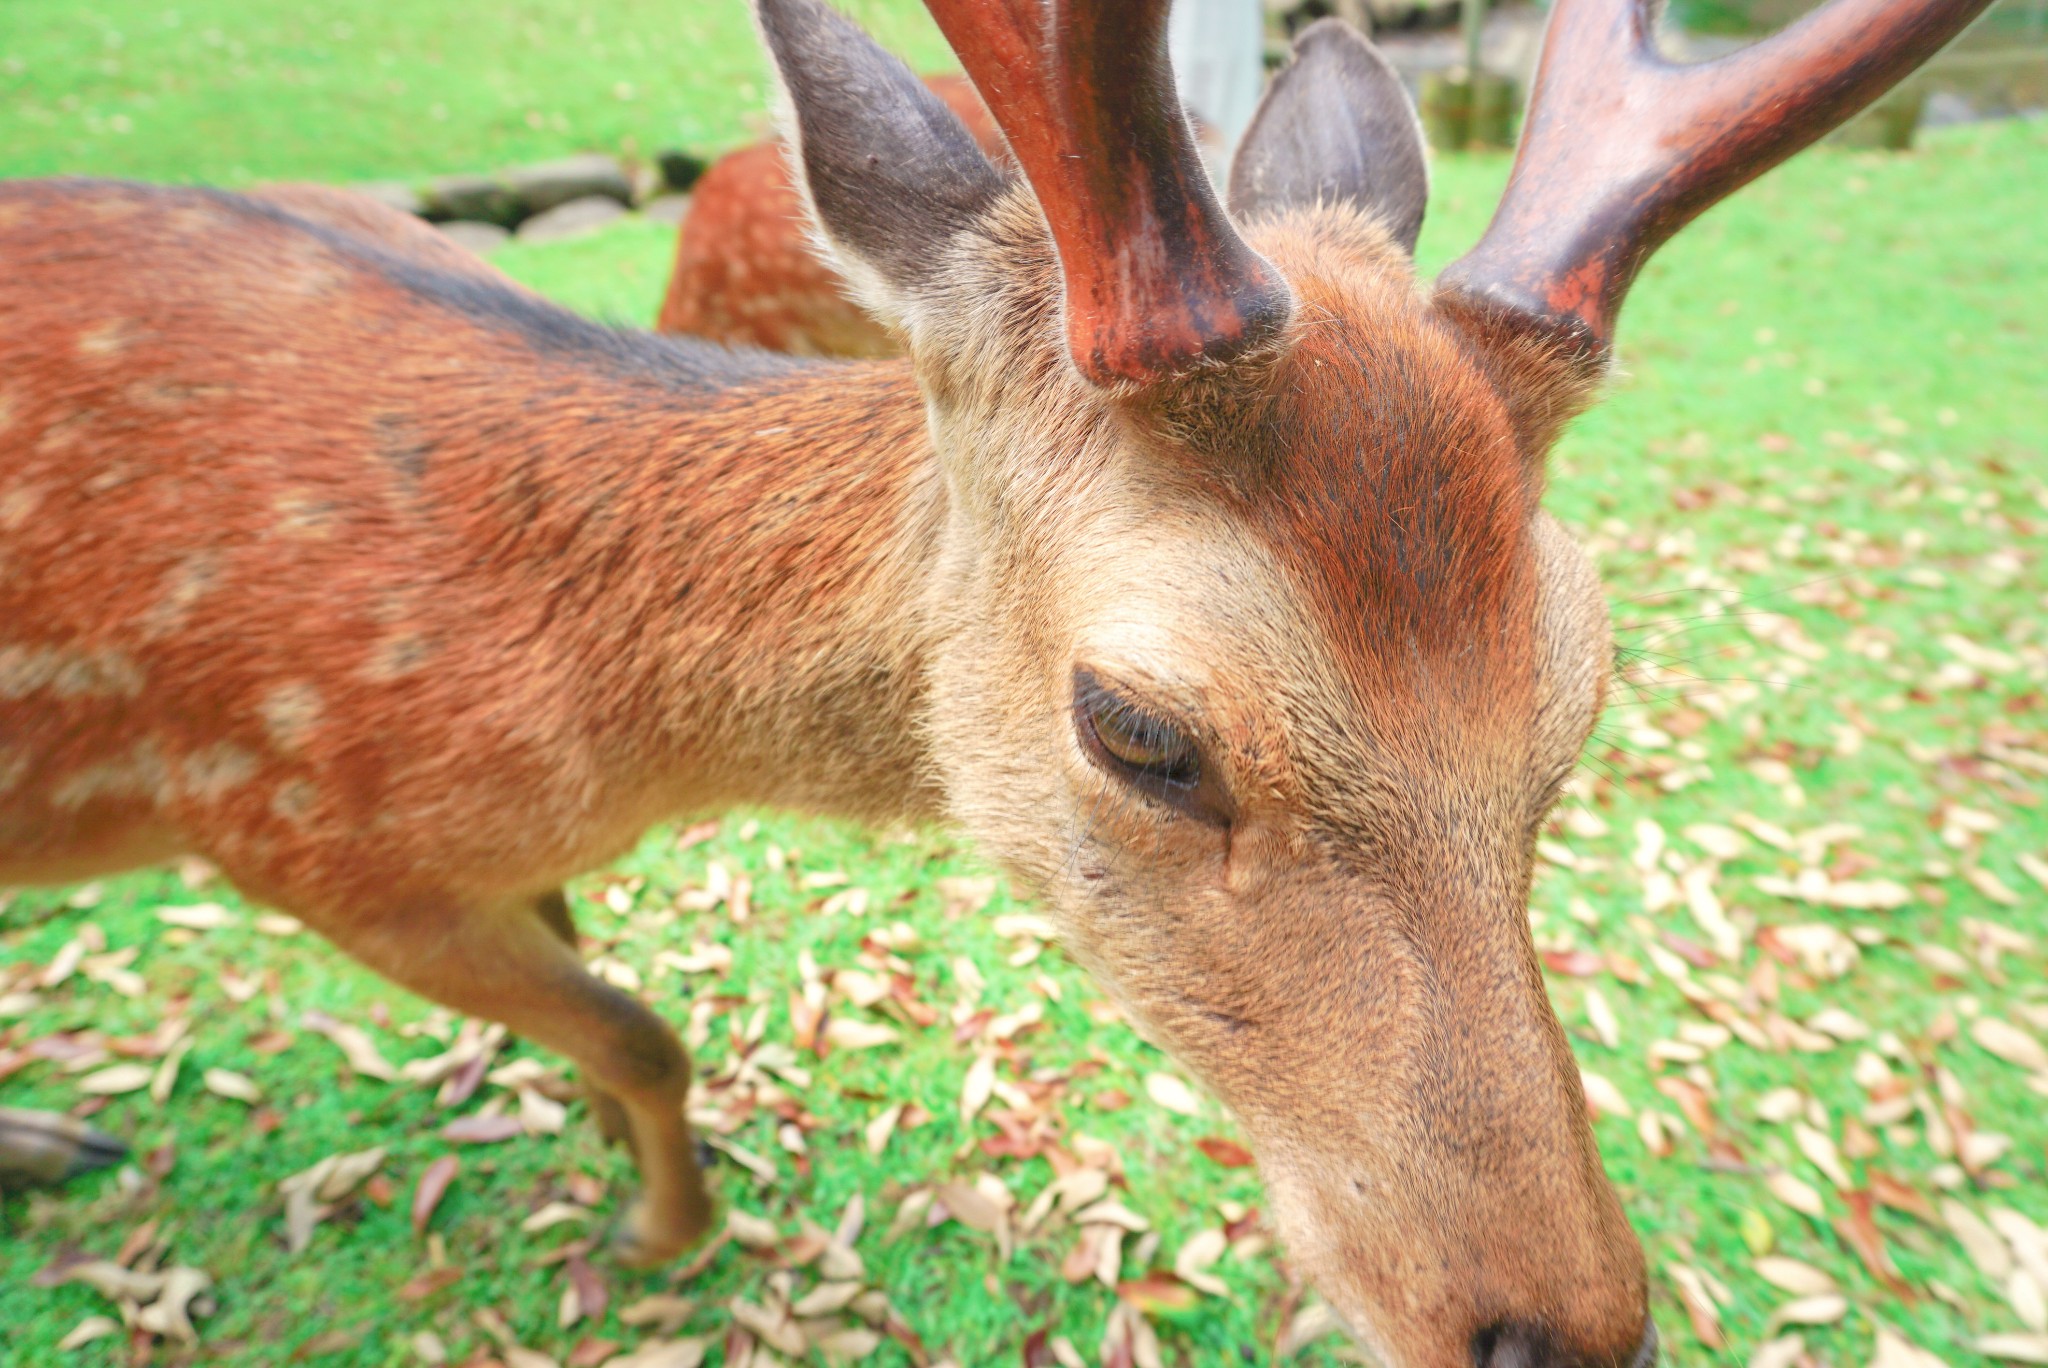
230, 91
1817, 496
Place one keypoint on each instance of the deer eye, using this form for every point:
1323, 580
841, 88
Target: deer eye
1145, 749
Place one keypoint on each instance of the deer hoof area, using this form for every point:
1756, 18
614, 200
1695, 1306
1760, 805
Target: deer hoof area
644, 1240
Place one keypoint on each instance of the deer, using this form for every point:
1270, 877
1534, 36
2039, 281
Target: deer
1192, 562
745, 271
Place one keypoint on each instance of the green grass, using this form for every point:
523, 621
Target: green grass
231, 91
1830, 414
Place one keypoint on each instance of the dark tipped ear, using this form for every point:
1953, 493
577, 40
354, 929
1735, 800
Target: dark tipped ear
1335, 125
890, 170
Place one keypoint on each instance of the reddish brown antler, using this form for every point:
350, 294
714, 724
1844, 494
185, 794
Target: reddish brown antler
1621, 148
1157, 279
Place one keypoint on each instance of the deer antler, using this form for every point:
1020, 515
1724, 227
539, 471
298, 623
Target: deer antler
1157, 280
1621, 148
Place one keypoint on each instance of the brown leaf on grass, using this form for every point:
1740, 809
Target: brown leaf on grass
107, 1278
1859, 1231
116, 1079
1087, 1253
1158, 1292
1225, 1153
1699, 1306
139, 1239
775, 1328
427, 1282
1895, 1351
677, 1353
1986, 1248
432, 1186
310, 1195
805, 1017
234, 1086
1574, 963
2031, 1348
482, 1129
197, 916
593, 1295
665, 1311
1692, 1100
90, 1329
1900, 1196
170, 1315
972, 1207
1312, 1322
696, 834
2011, 1044
591, 1352
354, 1043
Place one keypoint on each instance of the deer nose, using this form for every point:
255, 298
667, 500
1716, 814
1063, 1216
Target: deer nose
1515, 1344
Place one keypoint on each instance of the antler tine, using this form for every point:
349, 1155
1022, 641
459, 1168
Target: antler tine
1621, 148
1157, 280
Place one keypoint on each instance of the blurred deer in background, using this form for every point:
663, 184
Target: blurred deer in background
747, 271
1193, 563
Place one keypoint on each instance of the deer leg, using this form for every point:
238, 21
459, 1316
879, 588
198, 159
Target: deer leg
610, 1115
509, 965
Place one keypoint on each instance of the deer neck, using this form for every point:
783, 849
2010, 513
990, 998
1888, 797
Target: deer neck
771, 594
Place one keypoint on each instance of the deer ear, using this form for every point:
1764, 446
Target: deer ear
890, 171
1336, 124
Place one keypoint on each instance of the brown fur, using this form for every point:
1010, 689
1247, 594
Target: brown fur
405, 596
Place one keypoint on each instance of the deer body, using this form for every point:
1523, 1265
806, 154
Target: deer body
568, 595
1193, 563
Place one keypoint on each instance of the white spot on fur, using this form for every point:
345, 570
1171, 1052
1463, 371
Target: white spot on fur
302, 517
396, 657
18, 504
13, 768
105, 339
188, 582
141, 774
67, 673
290, 713
211, 774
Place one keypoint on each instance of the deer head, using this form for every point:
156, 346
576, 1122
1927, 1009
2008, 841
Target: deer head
1261, 662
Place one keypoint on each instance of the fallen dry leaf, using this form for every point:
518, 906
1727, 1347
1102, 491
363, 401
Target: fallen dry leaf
1895, 1351
1225, 1153
1172, 1094
1791, 1275
1699, 1305
234, 1086
2029, 1348
116, 1079
1795, 1194
431, 1188
1191, 1265
2010, 1043
483, 1129
354, 1043
977, 1087
198, 916
1983, 1244
1782, 1352
846, 1033
675, 1353
88, 1330
1823, 1310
